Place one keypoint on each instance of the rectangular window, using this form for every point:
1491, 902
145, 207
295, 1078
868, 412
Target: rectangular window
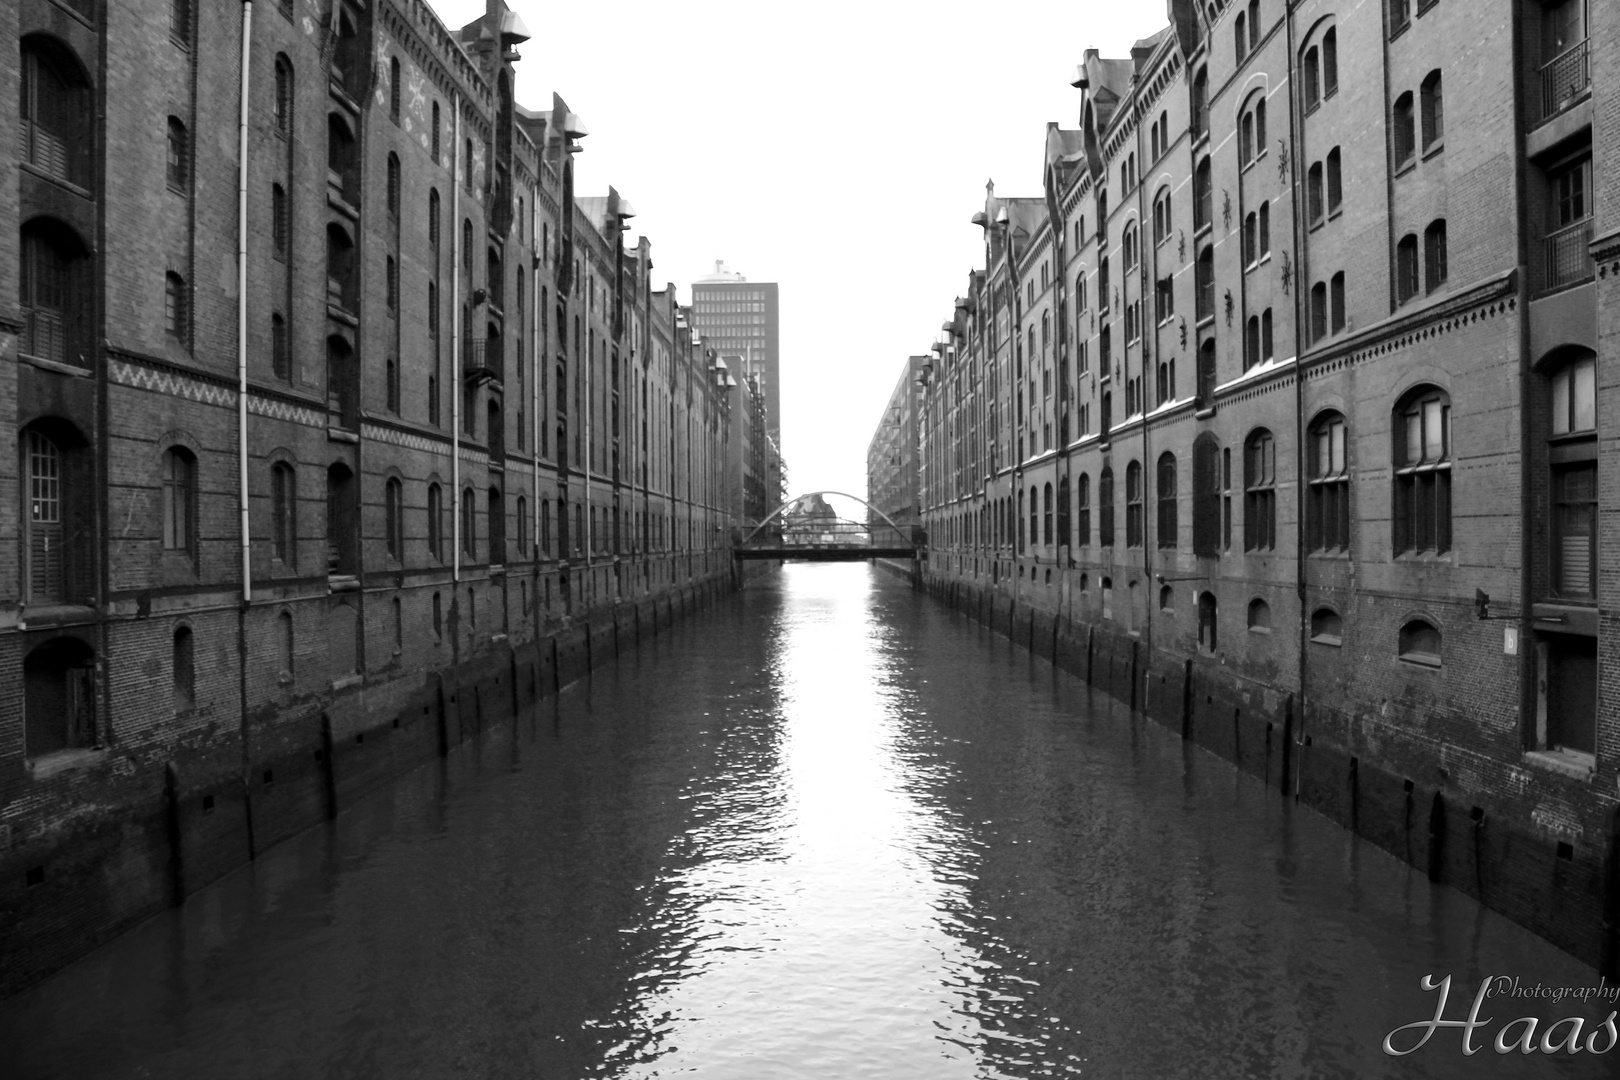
1575, 530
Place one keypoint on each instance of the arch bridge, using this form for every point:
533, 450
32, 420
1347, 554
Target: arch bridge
794, 532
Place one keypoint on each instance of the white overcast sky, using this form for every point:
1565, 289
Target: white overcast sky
837, 148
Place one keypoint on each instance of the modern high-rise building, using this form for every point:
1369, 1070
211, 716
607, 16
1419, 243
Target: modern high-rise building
738, 317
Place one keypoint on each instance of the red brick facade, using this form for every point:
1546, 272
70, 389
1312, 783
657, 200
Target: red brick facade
430, 314
1242, 424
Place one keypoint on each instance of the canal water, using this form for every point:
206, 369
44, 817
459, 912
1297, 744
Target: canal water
824, 829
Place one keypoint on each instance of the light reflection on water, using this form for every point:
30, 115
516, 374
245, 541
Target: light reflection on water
825, 830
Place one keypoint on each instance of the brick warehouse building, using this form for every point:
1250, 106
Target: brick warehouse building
1289, 376
319, 472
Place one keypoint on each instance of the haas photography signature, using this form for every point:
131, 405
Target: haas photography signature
1513, 1025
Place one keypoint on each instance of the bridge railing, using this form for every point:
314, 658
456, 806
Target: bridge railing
828, 534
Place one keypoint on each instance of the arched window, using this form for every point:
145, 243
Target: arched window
1328, 512
282, 107
54, 293
1264, 246
1167, 599
1133, 504
1167, 523
1259, 492
435, 522
1335, 181
1251, 342
1406, 268
1434, 255
433, 225
393, 88
179, 159
466, 243
1082, 521
1311, 78
1161, 217
283, 513
1434, 111
180, 502
1403, 129
522, 526
185, 670
1573, 407
1259, 616
469, 519
1422, 453
175, 320
1330, 63
1319, 312
1034, 517
393, 186
1208, 611
437, 129
1420, 643
1046, 515
394, 518
1327, 626
545, 529
1105, 508
55, 131
1205, 280
1240, 36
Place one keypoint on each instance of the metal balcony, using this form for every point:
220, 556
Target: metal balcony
1564, 78
479, 363
1566, 258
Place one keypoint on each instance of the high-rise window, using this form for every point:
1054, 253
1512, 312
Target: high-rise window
1329, 517
1105, 507
1404, 130
1573, 400
54, 129
174, 307
394, 518
283, 513
1422, 497
1406, 268
1434, 255
283, 104
1167, 523
1133, 505
179, 501
1434, 114
179, 155
1259, 492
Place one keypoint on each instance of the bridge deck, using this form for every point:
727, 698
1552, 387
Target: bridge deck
823, 552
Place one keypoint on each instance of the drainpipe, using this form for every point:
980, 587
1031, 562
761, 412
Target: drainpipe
1301, 313
590, 452
242, 412
538, 351
241, 307
455, 345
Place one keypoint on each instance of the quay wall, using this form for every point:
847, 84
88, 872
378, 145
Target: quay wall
145, 832
1430, 810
